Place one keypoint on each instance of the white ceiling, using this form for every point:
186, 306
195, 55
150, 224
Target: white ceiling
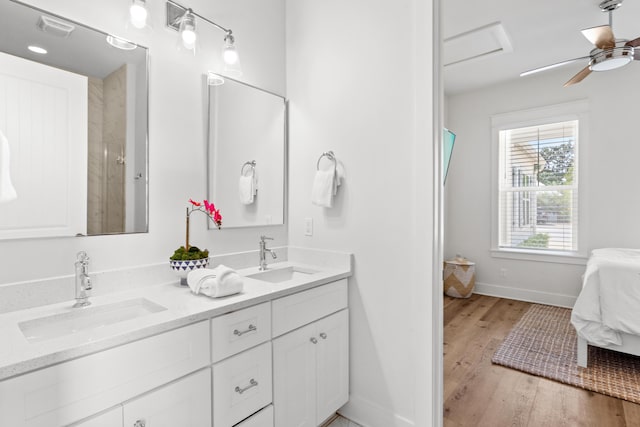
85, 51
541, 32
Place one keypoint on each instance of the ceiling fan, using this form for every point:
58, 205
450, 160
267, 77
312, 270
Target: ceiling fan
609, 53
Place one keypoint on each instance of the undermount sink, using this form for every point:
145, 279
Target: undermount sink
283, 274
82, 319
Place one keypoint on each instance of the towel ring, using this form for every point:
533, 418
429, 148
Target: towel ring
252, 164
329, 155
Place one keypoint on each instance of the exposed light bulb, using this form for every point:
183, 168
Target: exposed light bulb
138, 13
188, 30
230, 55
189, 38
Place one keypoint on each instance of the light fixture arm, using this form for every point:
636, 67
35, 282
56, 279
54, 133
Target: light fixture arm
185, 10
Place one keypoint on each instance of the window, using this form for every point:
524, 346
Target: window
538, 187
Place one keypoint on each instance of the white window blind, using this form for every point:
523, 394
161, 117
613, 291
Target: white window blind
538, 187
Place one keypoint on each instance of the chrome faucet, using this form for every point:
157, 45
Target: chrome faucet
83, 281
263, 252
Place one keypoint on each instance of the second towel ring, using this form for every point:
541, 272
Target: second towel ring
252, 164
329, 155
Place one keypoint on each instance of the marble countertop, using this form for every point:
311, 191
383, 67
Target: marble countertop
18, 356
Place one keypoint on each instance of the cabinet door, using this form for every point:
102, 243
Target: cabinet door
111, 418
294, 378
332, 359
242, 384
185, 403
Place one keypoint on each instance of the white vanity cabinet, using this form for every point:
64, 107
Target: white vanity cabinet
184, 403
110, 418
68, 392
311, 363
242, 369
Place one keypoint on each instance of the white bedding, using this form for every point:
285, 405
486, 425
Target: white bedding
609, 302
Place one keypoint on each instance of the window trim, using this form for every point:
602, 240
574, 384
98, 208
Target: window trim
575, 110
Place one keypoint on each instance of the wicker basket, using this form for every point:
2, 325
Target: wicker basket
459, 278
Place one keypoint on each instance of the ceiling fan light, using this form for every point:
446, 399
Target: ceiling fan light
610, 59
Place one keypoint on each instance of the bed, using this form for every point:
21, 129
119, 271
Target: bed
607, 311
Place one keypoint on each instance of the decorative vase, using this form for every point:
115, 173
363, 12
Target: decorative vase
183, 267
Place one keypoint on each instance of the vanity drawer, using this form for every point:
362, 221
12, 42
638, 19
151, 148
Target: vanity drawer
263, 418
241, 385
240, 330
70, 391
302, 308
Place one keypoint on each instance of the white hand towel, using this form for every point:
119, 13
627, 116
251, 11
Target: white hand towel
248, 187
218, 282
245, 189
324, 185
7, 191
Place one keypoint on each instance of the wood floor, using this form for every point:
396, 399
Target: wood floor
478, 393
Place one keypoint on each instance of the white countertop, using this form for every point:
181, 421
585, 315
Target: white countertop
18, 356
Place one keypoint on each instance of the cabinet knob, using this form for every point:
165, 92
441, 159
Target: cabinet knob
140, 423
323, 335
314, 340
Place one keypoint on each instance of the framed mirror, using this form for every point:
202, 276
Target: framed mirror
74, 114
247, 145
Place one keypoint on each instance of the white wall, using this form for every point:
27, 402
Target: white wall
612, 202
359, 77
177, 134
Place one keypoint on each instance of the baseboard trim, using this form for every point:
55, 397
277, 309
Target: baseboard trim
369, 414
527, 295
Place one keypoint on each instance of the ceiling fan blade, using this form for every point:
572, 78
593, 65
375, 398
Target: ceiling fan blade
579, 77
602, 37
634, 42
549, 67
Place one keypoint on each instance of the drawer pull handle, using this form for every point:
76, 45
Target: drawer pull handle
323, 335
252, 383
140, 423
251, 328
314, 340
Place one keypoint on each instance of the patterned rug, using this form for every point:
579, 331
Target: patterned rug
543, 343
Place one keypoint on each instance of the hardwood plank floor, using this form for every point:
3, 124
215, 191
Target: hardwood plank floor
479, 393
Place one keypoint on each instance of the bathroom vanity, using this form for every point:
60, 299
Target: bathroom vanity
276, 354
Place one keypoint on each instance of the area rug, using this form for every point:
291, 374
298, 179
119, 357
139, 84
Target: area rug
543, 343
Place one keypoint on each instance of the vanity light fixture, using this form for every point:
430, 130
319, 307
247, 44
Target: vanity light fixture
119, 43
187, 30
138, 13
214, 79
183, 20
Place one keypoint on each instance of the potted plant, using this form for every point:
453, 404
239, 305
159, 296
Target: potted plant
187, 257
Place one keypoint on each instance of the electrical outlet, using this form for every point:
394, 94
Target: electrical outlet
503, 272
308, 226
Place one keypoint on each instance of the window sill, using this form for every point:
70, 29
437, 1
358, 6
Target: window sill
574, 258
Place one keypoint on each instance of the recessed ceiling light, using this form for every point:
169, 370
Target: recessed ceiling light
37, 49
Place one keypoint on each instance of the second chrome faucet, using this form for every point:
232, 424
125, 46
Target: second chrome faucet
263, 252
83, 281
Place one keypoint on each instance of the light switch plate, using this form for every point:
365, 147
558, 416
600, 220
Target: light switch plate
308, 226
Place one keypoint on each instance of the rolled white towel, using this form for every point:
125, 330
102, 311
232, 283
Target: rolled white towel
229, 284
218, 282
197, 277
